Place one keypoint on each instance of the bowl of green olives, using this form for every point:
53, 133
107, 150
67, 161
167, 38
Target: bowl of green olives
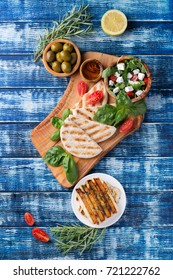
61, 58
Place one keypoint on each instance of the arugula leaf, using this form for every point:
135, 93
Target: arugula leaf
105, 114
55, 135
138, 108
67, 112
55, 156
109, 71
56, 122
70, 168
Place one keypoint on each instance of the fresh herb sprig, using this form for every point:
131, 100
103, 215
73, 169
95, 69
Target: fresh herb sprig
113, 115
56, 156
74, 23
76, 237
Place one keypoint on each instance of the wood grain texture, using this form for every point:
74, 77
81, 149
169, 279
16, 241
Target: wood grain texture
32, 175
49, 10
138, 38
33, 105
146, 243
19, 71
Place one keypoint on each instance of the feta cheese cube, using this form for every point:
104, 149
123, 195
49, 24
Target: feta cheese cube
138, 92
116, 90
111, 83
141, 76
129, 75
129, 88
120, 80
131, 82
136, 71
121, 66
136, 83
117, 74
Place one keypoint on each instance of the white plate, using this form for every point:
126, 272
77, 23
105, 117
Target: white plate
121, 205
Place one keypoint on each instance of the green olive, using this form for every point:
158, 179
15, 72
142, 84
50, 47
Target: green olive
50, 56
65, 56
56, 66
57, 47
73, 58
58, 57
66, 67
68, 47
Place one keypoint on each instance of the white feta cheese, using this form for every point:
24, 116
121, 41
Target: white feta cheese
136, 71
138, 92
131, 82
120, 80
141, 76
116, 90
121, 66
136, 83
129, 88
117, 74
111, 83
129, 75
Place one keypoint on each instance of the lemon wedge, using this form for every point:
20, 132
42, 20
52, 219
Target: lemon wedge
114, 22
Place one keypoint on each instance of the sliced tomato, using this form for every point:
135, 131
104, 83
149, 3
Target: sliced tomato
130, 94
29, 219
134, 77
40, 235
82, 88
146, 81
126, 125
94, 97
113, 78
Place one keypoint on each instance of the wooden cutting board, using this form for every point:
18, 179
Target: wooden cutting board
40, 135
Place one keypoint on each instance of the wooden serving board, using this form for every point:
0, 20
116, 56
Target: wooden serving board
40, 135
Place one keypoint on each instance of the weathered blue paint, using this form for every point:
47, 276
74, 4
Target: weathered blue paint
143, 162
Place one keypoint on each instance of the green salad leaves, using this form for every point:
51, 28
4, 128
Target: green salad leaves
113, 115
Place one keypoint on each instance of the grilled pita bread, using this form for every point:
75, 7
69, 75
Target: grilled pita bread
99, 132
77, 142
86, 113
99, 86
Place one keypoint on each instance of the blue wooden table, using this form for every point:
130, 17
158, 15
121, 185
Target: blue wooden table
143, 162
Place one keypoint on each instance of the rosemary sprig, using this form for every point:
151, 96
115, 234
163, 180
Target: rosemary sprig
72, 237
74, 23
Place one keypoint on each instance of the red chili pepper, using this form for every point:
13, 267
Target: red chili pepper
126, 125
146, 81
94, 97
113, 78
29, 219
130, 94
82, 88
40, 234
134, 77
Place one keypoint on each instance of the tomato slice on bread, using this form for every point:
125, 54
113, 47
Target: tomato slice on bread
94, 97
82, 88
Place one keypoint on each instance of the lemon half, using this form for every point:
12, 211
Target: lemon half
114, 22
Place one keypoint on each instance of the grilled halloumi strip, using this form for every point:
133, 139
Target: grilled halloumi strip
77, 142
85, 205
99, 132
104, 187
86, 113
99, 86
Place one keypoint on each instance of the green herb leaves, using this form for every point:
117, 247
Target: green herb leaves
109, 71
75, 237
57, 156
111, 115
67, 112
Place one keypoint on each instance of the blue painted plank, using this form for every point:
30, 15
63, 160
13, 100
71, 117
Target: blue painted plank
149, 140
139, 38
33, 105
149, 209
145, 243
21, 71
51, 10
32, 175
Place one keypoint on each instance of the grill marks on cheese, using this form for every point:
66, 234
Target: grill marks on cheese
77, 142
96, 200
